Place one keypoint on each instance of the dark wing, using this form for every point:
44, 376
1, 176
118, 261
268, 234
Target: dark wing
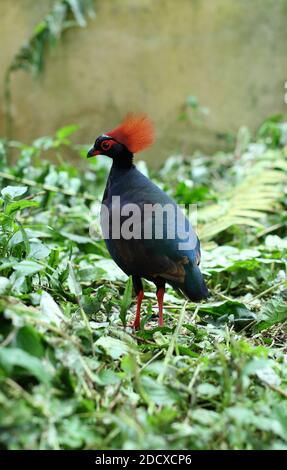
150, 258
135, 258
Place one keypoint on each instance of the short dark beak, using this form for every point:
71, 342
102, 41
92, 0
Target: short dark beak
92, 152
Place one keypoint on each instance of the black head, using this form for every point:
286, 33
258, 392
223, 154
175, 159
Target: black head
133, 135
106, 145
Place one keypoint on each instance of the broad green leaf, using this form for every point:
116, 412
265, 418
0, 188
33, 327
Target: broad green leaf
4, 284
274, 242
158, 392
74, 285
227, 307
31, 234
30, 341
109, 377
272, 313
102, 269
12, 357
50, 309
28, 268
112, 346
77, 12
24, 237
66, 131
76, 238
39, 251
205, 417
207, 390
12, 192
19, 205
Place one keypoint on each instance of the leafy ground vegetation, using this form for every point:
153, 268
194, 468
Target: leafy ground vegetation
72, 376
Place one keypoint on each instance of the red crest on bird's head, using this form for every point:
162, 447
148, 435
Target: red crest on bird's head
136, 132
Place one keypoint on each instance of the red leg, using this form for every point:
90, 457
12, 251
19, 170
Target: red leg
160, 294
136, 323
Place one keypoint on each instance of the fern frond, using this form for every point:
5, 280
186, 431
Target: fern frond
257, 194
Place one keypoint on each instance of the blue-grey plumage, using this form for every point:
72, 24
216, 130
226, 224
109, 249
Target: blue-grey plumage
171, 251
156, 257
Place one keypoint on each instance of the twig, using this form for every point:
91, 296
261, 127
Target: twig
29, 398
197, 308
275, 388
152, 360
142, 340
267, 290
58, 331
225, 297
31, 196
268, 230
47, 187
8, 339
194, 377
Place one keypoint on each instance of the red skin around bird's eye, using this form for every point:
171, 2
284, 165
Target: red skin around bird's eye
106, 145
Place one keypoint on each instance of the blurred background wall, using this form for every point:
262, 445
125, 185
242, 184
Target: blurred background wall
151, 55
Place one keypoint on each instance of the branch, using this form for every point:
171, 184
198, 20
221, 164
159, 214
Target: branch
46, 187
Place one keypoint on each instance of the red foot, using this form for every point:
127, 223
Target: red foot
136, 324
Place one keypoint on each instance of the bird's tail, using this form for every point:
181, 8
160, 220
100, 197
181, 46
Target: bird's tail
194, 285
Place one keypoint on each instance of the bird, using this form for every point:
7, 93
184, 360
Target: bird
160, 259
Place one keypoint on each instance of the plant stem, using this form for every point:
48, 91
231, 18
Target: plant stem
172, 344
46, 187
258, 296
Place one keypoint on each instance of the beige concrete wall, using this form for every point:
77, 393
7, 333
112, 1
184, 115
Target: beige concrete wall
150, 55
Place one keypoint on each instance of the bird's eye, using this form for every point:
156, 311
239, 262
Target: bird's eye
106, 145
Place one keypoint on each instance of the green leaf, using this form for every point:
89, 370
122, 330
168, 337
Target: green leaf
66, 131
24, 237
19, 205
30, 341
109, 377
39, 250
102, 269
205, 417
12, 192
50, 309
20, 236
126, 300
273, 312
77, 12
4, 285
208, 390
76, 238
227, 307
12, 357
74, 285
112, 346
158, 392
28, 268
273, 242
